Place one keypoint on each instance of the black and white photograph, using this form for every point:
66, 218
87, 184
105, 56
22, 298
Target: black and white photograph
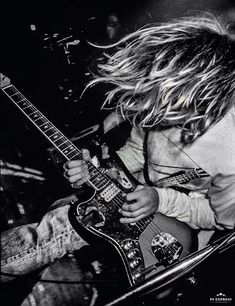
117, 153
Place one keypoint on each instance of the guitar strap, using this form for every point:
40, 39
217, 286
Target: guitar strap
145, 150
173, 180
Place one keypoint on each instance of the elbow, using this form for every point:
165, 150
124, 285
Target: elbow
225, 220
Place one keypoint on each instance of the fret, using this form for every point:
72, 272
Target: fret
102, 182
69, 149
59, 140
99, 183
46, 127
143, 223
16, 93
10, 90
182, 178
44, 124
195, 173
77, 154
45, 131
26, 107
93, 173
30, 110
22, 103
96, 177
32, 115
63, 144
50, 129
92, 169
18, 98
36, 117
40, 121
190, 175
53, 134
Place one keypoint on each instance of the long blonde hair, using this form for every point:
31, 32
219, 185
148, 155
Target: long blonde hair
179, 71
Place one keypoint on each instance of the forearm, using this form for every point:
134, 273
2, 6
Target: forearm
195, 211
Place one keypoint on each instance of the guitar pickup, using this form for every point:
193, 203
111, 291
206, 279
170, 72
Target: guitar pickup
109, 192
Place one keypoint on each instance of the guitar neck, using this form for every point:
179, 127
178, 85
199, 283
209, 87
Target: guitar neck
54, 135
98, 180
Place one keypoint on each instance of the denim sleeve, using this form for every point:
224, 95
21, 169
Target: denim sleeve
29, 247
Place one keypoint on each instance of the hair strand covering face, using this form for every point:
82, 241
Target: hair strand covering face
180, 72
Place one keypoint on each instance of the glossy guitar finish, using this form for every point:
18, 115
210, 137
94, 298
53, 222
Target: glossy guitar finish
145, 247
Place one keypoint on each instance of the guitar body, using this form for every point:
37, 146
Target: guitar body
143, 248
143, 251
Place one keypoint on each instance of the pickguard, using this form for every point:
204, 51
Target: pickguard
144, 250
145, 247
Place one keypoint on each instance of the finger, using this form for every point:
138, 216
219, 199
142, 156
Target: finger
86, 155
74, 163
132, 206
80, 182
77, 170
133, 196
132, 214
78, 177
132, 220
65, 174
105, 151
139, 187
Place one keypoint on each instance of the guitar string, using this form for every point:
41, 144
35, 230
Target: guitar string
170, 247
50, 125
61, 137
159, 231
45, 120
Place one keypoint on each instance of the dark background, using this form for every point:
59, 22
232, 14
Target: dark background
32, 56
37, 64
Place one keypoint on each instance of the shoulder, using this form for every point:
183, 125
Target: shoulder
215, 150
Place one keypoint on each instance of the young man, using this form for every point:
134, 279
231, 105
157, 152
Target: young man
175, 83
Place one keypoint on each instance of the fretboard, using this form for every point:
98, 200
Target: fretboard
183, 178
70, 152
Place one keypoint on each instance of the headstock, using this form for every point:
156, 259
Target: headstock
4, 81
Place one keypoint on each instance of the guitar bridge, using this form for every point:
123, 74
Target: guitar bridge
166, 248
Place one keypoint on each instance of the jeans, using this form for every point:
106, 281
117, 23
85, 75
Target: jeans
29, 247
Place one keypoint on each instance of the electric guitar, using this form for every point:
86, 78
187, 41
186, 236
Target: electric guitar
145, 247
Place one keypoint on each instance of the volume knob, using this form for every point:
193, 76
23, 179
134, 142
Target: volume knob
128, 245
132, 253
134, 263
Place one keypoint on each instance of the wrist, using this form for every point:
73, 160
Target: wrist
162, 199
